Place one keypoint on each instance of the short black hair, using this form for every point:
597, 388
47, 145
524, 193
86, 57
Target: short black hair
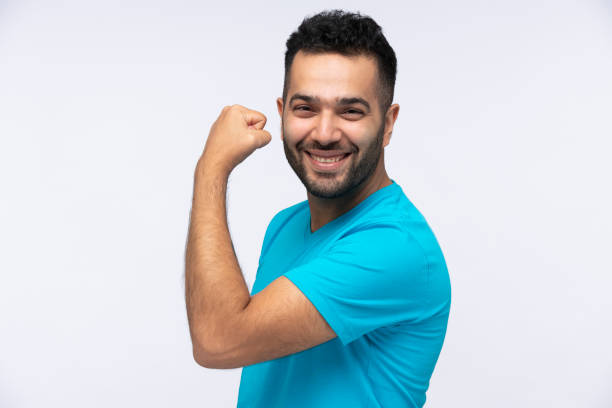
348, 34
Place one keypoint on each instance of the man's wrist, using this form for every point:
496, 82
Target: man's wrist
209, 171
210, 183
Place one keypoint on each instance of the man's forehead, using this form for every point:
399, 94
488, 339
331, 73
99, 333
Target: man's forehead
333, 78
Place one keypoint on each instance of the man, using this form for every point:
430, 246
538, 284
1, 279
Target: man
350, 304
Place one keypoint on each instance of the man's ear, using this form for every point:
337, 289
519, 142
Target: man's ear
279, 106
390, 118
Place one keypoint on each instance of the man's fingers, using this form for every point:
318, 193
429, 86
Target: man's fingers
253, 118
262, 137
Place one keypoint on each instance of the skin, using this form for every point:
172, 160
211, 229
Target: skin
229, 328
327, 125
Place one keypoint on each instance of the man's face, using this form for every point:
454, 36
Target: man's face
325, 113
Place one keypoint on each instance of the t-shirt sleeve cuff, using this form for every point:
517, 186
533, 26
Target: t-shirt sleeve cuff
320, 303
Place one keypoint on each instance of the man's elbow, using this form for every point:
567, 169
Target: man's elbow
200, 356
210, 347
206, 357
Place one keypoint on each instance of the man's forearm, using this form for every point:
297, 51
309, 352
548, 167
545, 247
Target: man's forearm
215, 289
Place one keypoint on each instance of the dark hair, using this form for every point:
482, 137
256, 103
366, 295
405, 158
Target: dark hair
348, 34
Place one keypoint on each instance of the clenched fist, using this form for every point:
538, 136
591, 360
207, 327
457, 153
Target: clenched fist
237, 132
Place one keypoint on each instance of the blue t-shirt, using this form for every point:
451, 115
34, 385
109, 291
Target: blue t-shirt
378, 277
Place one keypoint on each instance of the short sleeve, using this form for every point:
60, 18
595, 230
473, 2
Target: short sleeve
373, 277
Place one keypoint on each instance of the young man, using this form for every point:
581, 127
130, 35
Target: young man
352, 295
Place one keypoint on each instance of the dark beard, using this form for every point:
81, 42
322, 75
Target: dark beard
326, 186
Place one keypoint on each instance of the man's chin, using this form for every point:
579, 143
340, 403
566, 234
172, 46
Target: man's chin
326, 187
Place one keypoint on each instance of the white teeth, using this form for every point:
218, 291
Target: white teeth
326, 159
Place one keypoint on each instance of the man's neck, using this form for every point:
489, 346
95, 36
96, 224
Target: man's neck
324, 210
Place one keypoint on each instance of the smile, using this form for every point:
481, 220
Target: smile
327, 163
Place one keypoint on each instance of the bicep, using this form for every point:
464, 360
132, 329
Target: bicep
278, 321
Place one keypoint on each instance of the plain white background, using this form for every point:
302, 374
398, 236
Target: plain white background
502, 142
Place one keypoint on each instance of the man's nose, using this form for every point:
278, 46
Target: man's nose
326, 130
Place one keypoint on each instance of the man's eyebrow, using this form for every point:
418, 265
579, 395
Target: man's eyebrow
341, 101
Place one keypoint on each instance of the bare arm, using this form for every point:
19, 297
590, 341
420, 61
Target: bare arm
228, 327
215, 288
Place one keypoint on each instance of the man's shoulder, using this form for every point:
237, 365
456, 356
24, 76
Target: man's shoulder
394, 212
282, 216
398, 223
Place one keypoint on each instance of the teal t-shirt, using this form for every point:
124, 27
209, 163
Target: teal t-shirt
378, 277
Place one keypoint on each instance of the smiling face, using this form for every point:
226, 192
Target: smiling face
332, 113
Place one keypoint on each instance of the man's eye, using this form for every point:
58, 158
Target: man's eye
353, 112
300, 108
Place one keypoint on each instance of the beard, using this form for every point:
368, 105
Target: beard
337, 184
